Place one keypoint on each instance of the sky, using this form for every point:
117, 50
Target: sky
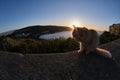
95, 14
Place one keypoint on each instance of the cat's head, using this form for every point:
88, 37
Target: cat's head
79, 33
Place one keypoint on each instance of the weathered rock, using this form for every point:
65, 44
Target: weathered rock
61, 66
115, 29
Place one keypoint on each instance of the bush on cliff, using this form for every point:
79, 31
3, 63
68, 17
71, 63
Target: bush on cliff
38, 46
107, 37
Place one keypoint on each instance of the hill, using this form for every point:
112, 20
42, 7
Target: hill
61, 66
37, 30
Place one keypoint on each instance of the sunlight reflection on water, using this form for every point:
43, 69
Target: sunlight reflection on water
65, 34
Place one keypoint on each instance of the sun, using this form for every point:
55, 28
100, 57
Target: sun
76, 23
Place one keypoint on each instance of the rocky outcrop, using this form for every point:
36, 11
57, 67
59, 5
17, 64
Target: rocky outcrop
115, 29
61, 66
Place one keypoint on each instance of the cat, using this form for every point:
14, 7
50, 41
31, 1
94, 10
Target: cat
89, 41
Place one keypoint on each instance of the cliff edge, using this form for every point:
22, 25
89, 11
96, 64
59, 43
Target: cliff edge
61, 66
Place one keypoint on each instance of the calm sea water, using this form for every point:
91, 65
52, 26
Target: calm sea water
65, 34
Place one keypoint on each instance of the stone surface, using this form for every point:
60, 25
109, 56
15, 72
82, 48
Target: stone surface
115, 29
61, 66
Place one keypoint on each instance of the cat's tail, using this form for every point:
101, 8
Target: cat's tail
104, 53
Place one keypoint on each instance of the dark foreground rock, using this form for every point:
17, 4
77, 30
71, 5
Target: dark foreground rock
61, 66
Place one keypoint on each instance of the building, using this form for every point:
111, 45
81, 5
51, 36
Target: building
115, 29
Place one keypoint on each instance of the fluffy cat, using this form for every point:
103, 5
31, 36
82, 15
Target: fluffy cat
89, 41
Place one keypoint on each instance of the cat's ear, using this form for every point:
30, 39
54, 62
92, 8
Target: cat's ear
75, 27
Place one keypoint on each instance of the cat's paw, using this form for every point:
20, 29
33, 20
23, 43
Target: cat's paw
81, 51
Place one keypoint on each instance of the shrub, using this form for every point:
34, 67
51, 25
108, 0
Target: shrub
46, 46
38, 46
107, 37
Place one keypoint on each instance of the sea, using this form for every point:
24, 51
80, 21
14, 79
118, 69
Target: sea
65, 34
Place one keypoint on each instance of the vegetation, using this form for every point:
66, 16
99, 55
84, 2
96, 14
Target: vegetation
107, 37
21, 45
38, 46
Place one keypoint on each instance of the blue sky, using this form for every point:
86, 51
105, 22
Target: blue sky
97, 14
